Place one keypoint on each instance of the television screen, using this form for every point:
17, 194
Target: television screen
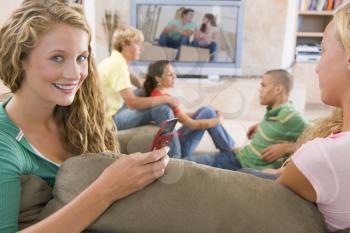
190, 31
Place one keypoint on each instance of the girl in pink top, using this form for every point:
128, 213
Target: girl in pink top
319, 170
161, 76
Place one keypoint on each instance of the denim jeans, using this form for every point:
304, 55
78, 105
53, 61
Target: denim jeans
167, 41
189, 139
225, 160
213, 47
258, 173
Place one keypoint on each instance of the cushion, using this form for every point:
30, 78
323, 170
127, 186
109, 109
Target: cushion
35, 193
137, 139
191, 198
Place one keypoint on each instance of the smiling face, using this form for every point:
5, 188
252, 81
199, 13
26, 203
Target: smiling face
168, 77
56, 67
188, 17
333, 69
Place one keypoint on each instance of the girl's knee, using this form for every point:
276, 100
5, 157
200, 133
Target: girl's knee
165, 110
208, 111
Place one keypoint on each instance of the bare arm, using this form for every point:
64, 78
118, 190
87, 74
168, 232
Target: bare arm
197, 35
252, 130
166, 30
126, 175
276, 151
197, 124
186, 33
135, 102
215, 36
292, 178
135, 81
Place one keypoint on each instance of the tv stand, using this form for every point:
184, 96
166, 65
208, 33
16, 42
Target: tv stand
214, 77
209, 76
191, 76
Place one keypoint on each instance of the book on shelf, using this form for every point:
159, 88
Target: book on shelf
307, 58
330, 5
309, 47
319, 5
337, 3
308, 52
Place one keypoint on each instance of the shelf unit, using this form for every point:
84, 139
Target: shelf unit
311, 25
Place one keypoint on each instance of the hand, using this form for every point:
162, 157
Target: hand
252, 130
274, 152
206, 38
173, 102
174, 28
133, 172
219, 116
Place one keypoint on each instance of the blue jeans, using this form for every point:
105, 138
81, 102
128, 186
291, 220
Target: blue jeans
127, 118
258, 173
225, 160
213, 47
189, 139
167, 41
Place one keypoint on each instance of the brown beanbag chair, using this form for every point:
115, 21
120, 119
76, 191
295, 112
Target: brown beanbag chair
191, 198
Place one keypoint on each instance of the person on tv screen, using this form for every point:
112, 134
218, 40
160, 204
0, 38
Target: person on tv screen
178, 31
206, 35
160, 77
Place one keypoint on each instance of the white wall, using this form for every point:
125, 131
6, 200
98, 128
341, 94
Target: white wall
290, 37
6, 8
268, 30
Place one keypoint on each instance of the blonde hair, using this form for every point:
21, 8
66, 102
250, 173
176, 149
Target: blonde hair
82, 126
322, 127
125, 36
342, 22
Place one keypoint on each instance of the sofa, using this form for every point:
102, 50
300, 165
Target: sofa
137, 139
189, 198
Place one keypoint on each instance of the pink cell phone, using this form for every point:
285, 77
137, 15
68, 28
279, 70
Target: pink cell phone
165, 134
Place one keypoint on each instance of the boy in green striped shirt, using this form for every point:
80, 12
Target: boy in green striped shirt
274, 137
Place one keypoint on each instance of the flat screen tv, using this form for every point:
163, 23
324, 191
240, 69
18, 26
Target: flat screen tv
200, 37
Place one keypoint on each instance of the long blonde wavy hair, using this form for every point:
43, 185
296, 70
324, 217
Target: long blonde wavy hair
323, 127
82, 124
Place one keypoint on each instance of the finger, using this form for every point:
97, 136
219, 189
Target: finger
150, 157
265, 152
160, 164
155, 169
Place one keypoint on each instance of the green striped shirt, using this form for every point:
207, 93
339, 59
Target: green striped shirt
280, 124
17, 157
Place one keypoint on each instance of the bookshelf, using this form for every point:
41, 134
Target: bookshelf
311, 25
